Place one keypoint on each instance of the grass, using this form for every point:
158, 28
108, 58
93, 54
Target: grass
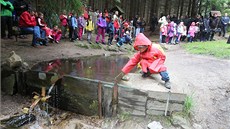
82, 45
95, 46
188, 105
219, 49
123, 116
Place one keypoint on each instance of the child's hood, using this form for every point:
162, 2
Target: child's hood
141, 39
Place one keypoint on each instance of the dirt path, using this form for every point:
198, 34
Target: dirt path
205, 77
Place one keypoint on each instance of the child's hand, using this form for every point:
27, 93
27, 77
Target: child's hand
119, 76
125, 78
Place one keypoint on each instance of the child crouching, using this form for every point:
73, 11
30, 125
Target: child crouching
56, 33
125, 39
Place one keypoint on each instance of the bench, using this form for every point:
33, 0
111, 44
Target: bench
17, 31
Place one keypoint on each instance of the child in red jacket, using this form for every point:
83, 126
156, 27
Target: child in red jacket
56, 34
150, 57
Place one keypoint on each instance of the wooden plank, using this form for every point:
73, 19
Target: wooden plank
99, 100
115, 98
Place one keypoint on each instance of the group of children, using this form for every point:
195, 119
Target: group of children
54, 34
172, 33
112, 25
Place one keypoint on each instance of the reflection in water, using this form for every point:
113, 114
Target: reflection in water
103, 68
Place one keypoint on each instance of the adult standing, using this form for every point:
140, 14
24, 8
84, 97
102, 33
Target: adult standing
162, 21
94, 19
214, 21
27, 24
154, 23
20, 6
225, 21
6, 18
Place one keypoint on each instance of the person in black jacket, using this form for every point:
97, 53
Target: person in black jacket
19, 6
214, 22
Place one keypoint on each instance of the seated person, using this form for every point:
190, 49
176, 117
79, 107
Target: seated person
27, 24
125, 39
41, 23
56, 33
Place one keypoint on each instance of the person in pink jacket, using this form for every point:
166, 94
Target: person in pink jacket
191, 31
150, 57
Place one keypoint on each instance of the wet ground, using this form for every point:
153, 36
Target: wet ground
204, 77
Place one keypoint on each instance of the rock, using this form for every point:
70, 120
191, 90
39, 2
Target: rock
180, 121
25, 65
228, 42
14, 60
197, 126
8, 84
154, 125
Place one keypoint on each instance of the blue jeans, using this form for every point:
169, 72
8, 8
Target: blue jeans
37, 33
160, 40
121, 41
164, 76
177, 38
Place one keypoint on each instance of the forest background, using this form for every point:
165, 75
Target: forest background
142, 8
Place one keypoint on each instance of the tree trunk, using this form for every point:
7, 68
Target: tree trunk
131, 10
166, 6
181, 7
128, 10
194, 10
146, 11
178, 8
157, 7
169, 7
106, 4
189, 7
200, 6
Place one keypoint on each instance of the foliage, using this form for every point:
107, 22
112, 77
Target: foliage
53, 9
123, 116
82, 45
218, 48
94, 105
95, 46
188, 105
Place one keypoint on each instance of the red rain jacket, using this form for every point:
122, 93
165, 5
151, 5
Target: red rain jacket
153, 58
26, 20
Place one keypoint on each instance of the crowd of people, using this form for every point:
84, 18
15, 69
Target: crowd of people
103, 23
72, 26
173, 30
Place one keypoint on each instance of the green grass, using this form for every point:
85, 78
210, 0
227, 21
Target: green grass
188, 105
124, 116
218, 48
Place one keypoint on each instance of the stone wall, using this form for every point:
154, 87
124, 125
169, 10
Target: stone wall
144, 103
80, 95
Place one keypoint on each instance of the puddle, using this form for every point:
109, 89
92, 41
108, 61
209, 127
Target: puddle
104, 68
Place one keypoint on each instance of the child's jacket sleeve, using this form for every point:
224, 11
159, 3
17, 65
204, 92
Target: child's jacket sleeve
132, 63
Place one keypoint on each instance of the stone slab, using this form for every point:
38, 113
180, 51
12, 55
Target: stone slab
154, 87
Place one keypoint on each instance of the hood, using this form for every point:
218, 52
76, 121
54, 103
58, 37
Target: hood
141, 39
